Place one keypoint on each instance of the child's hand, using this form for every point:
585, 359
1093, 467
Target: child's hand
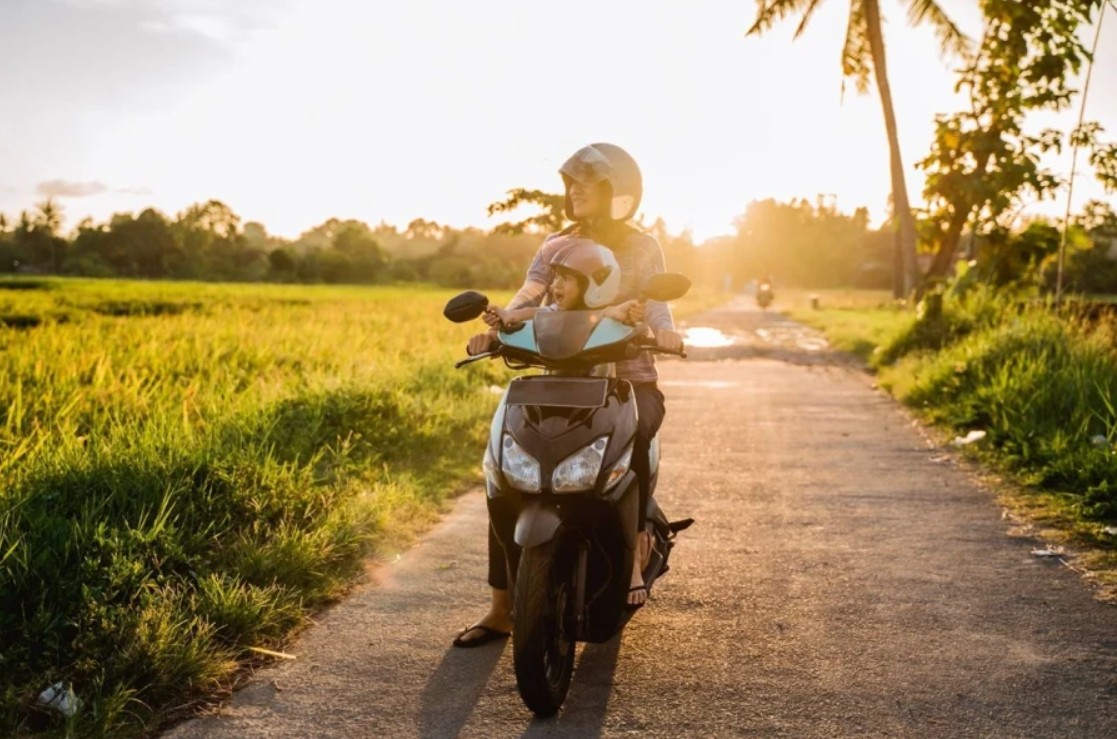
498, 318
625, 312
493, 316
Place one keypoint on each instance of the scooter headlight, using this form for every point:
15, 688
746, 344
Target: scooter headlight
619, 469
579, 471
520, 468
488, 466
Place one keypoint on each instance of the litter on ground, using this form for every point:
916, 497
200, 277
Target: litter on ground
969, 438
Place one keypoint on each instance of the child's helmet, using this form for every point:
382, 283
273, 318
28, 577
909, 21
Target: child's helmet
606, 163
596, 268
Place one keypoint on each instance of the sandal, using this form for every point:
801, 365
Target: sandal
487, 635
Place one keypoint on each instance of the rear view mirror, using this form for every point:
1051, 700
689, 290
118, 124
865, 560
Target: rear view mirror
666, 286
465, 307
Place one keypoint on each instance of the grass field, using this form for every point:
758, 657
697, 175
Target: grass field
191, 469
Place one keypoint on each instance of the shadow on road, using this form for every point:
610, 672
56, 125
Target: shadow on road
454, 688
583, 714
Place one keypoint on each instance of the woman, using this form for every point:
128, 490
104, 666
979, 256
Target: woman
603, 191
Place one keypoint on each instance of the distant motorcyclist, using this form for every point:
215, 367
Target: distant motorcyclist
764, 294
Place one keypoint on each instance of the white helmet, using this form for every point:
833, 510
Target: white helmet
613, 165
595, 267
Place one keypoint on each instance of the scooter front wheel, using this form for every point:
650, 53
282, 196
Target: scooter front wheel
542, 639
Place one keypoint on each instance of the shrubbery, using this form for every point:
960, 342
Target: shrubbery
1041, 382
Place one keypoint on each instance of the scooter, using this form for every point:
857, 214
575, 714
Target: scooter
562, 496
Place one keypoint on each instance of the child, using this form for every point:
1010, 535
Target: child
586, 277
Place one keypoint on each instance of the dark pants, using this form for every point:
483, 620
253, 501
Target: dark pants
649, 417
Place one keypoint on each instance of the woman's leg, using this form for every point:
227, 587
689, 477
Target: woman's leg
499, 616
650, 410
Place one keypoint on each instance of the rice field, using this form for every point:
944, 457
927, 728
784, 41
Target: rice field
189, 469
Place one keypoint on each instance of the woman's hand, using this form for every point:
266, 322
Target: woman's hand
668, 339
480, 343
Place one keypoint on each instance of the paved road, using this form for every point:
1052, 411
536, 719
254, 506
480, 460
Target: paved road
844, 578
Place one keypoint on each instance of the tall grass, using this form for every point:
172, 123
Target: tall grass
188, 469
1041, 383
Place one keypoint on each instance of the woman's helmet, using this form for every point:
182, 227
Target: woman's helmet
596, 268
606, 163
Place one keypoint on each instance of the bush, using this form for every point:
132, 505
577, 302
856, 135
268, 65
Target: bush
1043, 385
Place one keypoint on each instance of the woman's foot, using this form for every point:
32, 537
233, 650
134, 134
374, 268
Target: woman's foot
637, 591
478, 634
496, 624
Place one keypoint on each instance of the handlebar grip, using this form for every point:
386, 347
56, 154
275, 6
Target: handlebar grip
475, 358
651, 346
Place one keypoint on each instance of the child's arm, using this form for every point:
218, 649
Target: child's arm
497, 317
624, 312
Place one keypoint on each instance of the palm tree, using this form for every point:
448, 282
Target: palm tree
48, 222
864, 51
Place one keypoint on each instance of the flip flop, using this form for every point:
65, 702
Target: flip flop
487, 635
648, 594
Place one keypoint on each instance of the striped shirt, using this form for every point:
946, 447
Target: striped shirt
639, 256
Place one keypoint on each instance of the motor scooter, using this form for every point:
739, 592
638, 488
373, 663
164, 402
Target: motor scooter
562, 495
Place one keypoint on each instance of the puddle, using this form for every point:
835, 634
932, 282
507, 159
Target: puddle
811, 343
798, 337
704, 337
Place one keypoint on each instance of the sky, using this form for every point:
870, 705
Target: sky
295, 111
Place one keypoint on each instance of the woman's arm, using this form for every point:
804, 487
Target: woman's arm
538, 277
656, 314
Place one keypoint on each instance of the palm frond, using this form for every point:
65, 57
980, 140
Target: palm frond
951, 38
771, 12
857, 56
806, 17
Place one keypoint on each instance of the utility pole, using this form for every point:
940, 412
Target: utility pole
1074, 154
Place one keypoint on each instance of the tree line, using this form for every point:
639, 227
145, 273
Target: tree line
801, 242
208, 241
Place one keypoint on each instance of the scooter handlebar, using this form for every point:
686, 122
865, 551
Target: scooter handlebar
649, 345
475, 358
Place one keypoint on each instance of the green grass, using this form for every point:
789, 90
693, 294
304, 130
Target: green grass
1041, 382
189, 470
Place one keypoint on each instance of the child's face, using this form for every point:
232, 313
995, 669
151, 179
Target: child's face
566, 291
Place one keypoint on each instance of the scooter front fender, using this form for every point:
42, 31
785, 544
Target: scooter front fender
536, 524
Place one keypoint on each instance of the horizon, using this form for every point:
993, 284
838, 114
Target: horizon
434, 111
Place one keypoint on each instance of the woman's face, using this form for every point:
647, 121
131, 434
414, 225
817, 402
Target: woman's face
588, 201
566, 291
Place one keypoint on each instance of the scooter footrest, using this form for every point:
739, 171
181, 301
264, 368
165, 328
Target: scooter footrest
676, 526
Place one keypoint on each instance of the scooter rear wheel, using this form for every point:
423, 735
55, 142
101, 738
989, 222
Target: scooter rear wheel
542, 630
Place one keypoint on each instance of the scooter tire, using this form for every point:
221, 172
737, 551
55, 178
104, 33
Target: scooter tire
542, 647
